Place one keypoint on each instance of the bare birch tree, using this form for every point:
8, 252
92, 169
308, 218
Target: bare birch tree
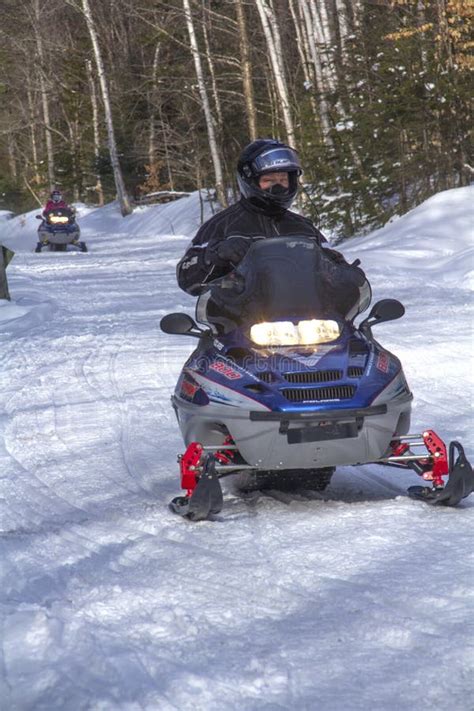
271, 31
210, 123
250, 110
154, 104
44, 93
34, 146
212, 72
124, 201
305, 58
95, 129
323, 33
321, 84
152, 100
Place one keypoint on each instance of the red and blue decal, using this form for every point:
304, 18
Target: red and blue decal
226, 370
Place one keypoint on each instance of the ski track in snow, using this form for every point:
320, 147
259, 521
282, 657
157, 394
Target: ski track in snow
361, 598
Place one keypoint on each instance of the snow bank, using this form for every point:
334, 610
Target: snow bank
434, 241
6, 215
10, 311
179, 219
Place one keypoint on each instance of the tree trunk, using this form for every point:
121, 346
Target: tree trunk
216, 160
318, 70
154, 105
212, 74
303, 50
250, 109
167, 153
272, 37
11, 156
72, 143
444, 44
34, 147
95, 126
324, 37
151, 103
356, 10
421, 20
5, 255
342, 24
44, 96
124, 201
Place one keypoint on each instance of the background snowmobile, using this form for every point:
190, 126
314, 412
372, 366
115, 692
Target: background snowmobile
58, 229
284, 386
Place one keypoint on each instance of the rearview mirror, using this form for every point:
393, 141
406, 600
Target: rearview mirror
383, 310
387, 310
180, 324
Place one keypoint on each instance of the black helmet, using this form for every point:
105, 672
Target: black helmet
265, 155
56, 196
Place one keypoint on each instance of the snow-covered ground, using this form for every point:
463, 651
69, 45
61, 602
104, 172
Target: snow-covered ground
363, 600
6, 215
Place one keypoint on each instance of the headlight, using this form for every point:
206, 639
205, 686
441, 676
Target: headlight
58, 219
303, 333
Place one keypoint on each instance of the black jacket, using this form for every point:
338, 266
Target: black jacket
195, 269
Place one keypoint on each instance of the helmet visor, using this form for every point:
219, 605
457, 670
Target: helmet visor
276, 160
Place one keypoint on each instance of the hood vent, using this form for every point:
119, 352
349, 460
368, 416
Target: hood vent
334, 392
355, 371
266, 376
316, 376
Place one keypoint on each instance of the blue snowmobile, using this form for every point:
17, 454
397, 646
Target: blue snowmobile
284, 387
58, 229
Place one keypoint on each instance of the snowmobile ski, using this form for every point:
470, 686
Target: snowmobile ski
459, 485
206, 498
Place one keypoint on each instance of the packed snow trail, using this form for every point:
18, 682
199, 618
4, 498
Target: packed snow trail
108, 601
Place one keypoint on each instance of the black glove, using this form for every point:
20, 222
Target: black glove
335, 256
229, 251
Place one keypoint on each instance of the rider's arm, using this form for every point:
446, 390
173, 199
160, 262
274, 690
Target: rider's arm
339, 258
333, 254
195, 268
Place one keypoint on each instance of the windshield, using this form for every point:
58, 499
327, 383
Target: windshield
58, 216
59, 211
285, 279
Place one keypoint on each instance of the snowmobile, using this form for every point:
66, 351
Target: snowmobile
284, 387
58, 229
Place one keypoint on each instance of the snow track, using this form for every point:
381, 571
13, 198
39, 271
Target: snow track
358, 598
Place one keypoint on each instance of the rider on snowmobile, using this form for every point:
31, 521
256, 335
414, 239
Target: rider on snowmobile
267, 175
55, 201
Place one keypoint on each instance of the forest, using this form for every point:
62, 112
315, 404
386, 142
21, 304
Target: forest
120, 99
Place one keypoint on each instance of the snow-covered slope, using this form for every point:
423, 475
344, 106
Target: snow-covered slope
6, 215
108, 601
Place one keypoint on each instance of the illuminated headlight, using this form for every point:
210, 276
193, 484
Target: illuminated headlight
303, 333
58, 219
